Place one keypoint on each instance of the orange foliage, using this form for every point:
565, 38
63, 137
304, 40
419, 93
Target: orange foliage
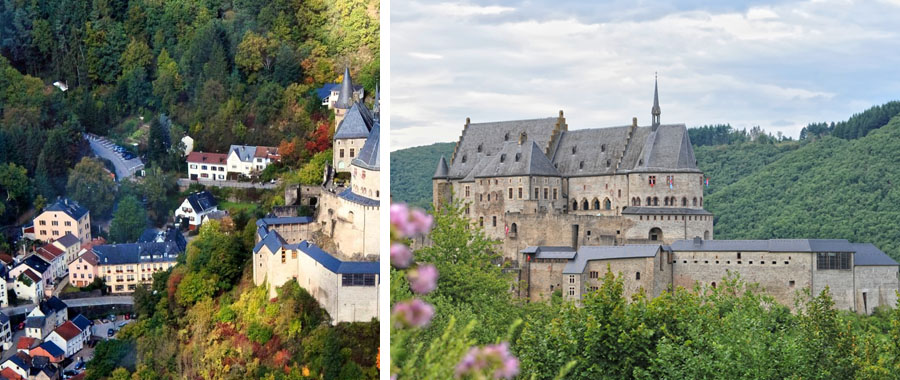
320, 139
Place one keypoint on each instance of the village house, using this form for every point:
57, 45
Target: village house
85, 325
17, 366
207, 166
56, 257
26, 343
125, 266
330, 92
83, 270
32, 277
62, 217
247, 161
5, 332
68, 337
194, 208
45, 317
70, 245
50, 351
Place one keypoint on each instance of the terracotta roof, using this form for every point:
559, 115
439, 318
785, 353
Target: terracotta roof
207, 158
90, 257
33, 276
25, 343
92, 243
267, 151
6, 258
50, 252
67, 331
11, 374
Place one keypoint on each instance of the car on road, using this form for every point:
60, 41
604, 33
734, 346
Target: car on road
21, 326
69, 373
79, 365
110, 333
127, 156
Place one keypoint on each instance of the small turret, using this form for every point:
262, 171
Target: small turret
655, 111
345, 99
442, 170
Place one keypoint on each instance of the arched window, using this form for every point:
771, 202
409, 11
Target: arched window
638, 199
607, 204
655, 201
480, 221
656, 234
649, 201
596, 204
584, 204
502, 157
705, 235
575, 205
523, 137
684, 201
513, 229
701, 201
695, 201
666, 201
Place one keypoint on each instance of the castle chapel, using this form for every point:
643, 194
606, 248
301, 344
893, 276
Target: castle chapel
568, 206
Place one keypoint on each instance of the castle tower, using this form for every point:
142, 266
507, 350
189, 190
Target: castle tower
345, 99
655, 111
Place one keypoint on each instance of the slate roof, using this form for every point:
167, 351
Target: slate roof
773, 245
37, 263
81, 322
202, 201
284, 220
442, 170
169, 234
244, 152
22, 360
515, 159
273, 242
369, 156
641, 210
67, 331
589, 253
550, 252
90, 257
207, 158
52, 349
4, 318
490, 137
349, 195
325, 91
68, 206
346, 95
867, 254
52, 305
35, 322
68, 240
356, 123
49, 252
133, 253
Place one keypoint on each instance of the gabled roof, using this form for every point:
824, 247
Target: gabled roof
369, 156
25, 343
480, 140
67, 331
245, 153
35, 322
773, 245
9, 374
349, 195
334, 264
52, 305
207, 158
272, 241
550, 252
39, 264
356, 123
52, 349
68, 240
515, 159
589, 253
326, 89
151, 235
33, 276
442, 169
6, 258
4, 319
49, 252
267, 152
22, 360
81, 322
202, 201
90, 257
867, 254
68, 206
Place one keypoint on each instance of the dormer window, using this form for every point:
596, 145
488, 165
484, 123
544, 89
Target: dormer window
603, 148
506, 137
641, 162
573, 150
502, 157
608, 163
480, 147
523, 137
581, 165
518, 156
464, 159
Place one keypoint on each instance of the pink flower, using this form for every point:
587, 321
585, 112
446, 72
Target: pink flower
496, 358
408, 224
422, 221
401, 255
423, 279
412, 313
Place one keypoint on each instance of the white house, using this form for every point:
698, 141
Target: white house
45, 317
246, 160
84, 325
28, 286
195, 207
68, 337
5, 332
56, 257
70, 245
39, 268
188, 142
207, 166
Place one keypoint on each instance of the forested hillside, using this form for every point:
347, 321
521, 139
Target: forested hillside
411, 171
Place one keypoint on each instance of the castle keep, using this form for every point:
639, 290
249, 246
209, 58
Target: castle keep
566, 205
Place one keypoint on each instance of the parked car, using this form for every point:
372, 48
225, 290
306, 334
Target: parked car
110, 333
112, 317
68, 374
79, 365
21, 326
127, 156
127, 316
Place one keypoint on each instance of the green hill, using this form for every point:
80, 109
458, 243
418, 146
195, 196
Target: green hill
411, 171
829, 188
726, 164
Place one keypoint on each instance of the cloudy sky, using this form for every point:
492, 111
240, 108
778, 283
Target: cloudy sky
779, 65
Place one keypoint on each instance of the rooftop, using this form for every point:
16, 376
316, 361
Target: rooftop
589, 253
773, 245
202, 201
207, 158
68, 206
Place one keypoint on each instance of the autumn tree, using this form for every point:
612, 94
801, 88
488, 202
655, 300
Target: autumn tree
92, 186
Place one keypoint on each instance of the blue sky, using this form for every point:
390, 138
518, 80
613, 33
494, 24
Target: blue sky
779, 65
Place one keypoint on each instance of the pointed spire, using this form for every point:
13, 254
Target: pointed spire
655, 111
345, 99
442, 170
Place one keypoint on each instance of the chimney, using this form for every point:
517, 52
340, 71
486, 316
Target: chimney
634, 122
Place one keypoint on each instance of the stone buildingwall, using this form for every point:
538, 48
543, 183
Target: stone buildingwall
555, 230
268, 267
839, 282
341, 155
441, 192
294, 233
320, 282
542, 278
673, 227
876, 286
637, 274
595, 191
356, 303
779, 274
572, 286
353, 227
687, 186
365, 182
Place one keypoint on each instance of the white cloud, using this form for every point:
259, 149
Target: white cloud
802, 62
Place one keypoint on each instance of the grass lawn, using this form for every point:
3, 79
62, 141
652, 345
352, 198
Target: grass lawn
236, 207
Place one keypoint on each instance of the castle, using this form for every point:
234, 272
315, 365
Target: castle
565, 204
345, 281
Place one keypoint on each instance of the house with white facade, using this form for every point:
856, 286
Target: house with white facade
45, 317
40, 268
56, 257
68, 337
247, 160
207, 166
5, 332
194, 208
70, 245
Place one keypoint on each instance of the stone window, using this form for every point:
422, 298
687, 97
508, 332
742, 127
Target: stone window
537, 193
520, 193
695, 201
713, 284
546, 193
480, 197
467, 192
510, 193
649, 201
683, 201
832, 260
656, 234
518, 156
607, 204
554, 194
655, 201
620, 193
581, 165
791, 283
571, 279
594, 274
513, 229
494, 220
573, 150
637, 275
352, 151
574, 205
584, 204
571, 291
596, 204
603, 149
608, 163
502, 158
652, 180
480, 148
701, 201
480, 221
